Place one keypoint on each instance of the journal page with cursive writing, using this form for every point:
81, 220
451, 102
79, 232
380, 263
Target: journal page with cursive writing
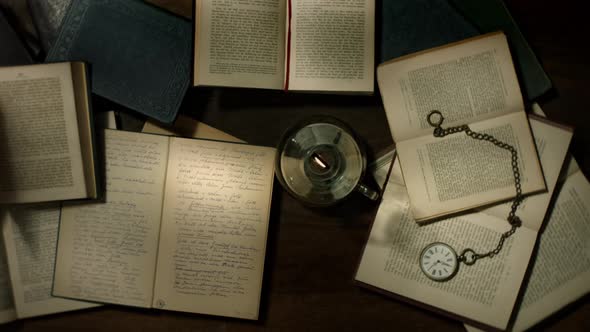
214, 224
183, 228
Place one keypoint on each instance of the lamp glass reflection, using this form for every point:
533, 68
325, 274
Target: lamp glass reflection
320, 163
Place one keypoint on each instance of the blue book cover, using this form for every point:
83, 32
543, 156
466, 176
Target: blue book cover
409, 26
140, 55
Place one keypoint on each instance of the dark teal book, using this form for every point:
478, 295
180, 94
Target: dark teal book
140, 55
492, 15
409, 26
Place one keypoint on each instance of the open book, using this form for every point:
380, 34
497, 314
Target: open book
471, 82
7, 310
561, 269
484, 293
185, 126
46, 127
304, 45
184, 227
26, 277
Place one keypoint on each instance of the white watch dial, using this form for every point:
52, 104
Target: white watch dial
439, 261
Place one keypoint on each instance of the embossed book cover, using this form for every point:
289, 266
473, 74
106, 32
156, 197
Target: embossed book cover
140, 55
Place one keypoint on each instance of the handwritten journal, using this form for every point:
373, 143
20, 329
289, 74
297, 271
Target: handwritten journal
29, 234
184, 227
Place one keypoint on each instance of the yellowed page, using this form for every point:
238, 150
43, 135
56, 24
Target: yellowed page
214, 228
562, 267
240, 43
86, 125
105, 120
40, 158
332, 45
188, 127
30, 235
456, 172
552, 143
468, 81
570, 163
7, 309
485, 292
380, 168
561, 270
107, 251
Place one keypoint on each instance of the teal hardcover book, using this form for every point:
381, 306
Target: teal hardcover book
140, 55
408, 26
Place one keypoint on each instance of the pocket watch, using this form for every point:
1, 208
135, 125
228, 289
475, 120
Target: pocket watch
438, 260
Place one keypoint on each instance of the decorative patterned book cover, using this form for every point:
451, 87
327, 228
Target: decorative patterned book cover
47, 16
140, 55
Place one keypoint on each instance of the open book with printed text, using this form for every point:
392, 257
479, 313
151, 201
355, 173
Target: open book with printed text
47, 131
303, 45
485, 293
561, 268
472, 82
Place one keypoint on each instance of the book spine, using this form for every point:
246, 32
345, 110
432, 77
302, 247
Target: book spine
288, 64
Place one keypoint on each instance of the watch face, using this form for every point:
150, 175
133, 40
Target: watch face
439, 261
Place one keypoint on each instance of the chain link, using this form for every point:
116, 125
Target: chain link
469, 256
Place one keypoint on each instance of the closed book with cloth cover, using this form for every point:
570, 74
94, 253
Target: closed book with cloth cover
408, 26
139, 54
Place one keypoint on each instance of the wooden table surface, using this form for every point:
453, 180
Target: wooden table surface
312, 254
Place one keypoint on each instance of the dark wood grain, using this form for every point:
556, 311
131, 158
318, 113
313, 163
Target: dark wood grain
312, 254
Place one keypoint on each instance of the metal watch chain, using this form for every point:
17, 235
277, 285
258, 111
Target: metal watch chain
469, 256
